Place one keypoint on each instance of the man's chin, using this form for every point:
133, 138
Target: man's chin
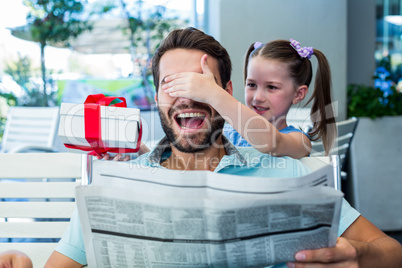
191, 144
189, 149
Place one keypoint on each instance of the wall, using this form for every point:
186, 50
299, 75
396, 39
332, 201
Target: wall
376, 184
361, 41
321, 24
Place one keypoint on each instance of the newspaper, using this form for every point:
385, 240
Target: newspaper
133, 216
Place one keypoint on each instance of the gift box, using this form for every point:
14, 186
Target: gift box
100, 125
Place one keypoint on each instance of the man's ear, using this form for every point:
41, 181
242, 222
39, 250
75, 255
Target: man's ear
156, 99
301, 93
229, 88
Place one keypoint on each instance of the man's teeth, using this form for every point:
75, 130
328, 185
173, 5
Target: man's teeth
187, 115
261, 109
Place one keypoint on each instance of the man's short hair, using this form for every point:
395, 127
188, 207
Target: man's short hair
192, 38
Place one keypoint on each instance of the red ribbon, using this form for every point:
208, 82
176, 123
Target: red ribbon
92, 117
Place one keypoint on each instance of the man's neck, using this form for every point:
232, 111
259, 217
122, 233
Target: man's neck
207, 159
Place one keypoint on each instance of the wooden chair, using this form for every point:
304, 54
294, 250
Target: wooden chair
346, 130
30, 129
299, 118
46, 194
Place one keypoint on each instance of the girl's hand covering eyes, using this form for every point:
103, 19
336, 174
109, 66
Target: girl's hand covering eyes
191, 85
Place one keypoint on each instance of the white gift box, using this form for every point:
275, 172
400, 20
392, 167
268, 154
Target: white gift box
120, 127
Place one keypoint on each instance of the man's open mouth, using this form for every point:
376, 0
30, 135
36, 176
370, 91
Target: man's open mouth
190, 120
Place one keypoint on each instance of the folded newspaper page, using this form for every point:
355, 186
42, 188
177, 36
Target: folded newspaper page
137, 217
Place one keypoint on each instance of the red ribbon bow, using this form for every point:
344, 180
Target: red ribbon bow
92, 117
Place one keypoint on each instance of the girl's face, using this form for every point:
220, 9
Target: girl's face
269, 90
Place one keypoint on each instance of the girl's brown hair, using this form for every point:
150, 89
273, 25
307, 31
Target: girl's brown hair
300, 70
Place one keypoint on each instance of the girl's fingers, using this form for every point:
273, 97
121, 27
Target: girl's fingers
178, 94
175, 82
176, 76
174, 89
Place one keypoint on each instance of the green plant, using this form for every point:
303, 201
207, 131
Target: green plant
6, 100
146, 28
368, 101
54, 21
24, 75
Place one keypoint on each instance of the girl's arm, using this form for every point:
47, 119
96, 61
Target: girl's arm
260, 133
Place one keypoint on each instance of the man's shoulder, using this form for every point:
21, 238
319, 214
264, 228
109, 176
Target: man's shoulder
252, 152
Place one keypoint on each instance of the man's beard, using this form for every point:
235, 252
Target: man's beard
192, 143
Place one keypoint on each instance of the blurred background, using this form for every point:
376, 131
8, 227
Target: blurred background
54, 51
61, 51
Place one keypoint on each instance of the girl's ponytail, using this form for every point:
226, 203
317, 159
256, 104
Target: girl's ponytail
322, 114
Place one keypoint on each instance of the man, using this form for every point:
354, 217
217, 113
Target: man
194, 141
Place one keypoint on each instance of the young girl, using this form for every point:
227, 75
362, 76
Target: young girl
277, 75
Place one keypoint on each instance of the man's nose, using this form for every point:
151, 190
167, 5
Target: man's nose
183, 101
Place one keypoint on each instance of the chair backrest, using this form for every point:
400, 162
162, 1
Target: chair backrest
37, 200
346, 130
152, 130
30, 128
299, 118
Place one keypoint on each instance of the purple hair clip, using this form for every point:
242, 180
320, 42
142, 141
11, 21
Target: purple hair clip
257, 45
304, 52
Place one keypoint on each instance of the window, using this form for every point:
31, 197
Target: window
388, 52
